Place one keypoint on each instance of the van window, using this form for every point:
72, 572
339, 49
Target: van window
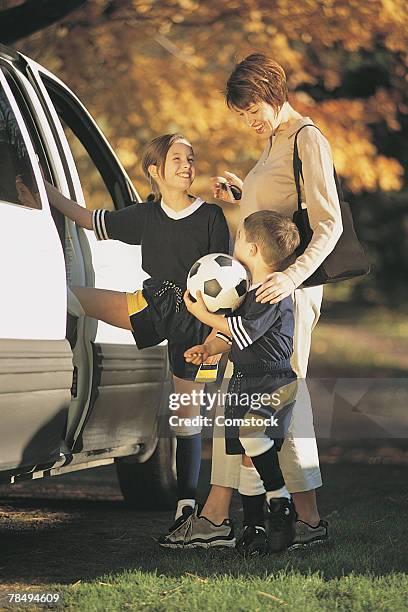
17, 181
96, 193
29, 117
30, 120
103, 181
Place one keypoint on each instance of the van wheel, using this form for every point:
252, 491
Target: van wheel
151, 485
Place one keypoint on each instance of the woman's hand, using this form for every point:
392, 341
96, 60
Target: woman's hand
198, 309
197, 354
277, 286
228, 179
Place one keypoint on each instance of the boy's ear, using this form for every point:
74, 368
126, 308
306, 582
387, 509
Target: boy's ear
253, 250
153, 171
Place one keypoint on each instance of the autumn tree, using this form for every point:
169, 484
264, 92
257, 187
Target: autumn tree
145, 67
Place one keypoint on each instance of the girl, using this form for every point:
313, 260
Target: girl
174, 229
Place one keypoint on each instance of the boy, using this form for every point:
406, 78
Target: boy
260, 340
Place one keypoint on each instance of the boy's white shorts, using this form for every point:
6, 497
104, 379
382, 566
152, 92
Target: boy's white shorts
298, 458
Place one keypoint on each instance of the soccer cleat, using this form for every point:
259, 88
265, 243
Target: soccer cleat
306, 535
199, 532
253, 541
280, 523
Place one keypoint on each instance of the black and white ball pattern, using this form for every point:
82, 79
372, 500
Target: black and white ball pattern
222, 280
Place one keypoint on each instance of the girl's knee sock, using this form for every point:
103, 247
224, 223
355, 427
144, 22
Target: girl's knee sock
188, 460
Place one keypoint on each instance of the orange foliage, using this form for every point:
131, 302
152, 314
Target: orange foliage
145, 67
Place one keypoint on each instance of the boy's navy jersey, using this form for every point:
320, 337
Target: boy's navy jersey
171, 242
261, 332
262, 345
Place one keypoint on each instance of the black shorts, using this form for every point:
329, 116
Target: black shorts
157, 313
243, 400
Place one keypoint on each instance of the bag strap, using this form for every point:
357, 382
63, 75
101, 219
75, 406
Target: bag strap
297, 168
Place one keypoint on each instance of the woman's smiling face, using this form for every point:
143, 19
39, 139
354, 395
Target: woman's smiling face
261, 117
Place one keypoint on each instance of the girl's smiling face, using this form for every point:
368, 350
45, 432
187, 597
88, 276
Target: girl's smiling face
179, 168
261, 117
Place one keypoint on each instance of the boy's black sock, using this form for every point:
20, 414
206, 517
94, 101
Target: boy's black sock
188, 461
253, 507
269, 470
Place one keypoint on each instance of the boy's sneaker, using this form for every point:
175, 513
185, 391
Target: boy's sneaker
253, 541
281, 523
199, 532
306, 535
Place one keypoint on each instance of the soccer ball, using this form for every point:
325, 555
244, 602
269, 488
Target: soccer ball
222, 280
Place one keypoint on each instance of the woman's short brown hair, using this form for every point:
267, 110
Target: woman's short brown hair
275, 235
155, 155
257, 78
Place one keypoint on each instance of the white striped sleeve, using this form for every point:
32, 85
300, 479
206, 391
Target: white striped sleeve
252, 325
98, 224
238, 332
224, 337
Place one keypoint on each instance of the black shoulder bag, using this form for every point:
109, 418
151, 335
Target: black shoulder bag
347, 259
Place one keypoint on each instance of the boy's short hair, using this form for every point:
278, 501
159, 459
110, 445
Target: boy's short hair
276, 236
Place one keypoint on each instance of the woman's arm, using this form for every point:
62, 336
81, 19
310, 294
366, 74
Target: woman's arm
322, 202
68, 208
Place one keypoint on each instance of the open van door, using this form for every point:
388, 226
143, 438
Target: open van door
35, 358
130, 387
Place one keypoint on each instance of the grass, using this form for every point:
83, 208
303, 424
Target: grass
99, 555
361, 343
73, 536
360, 572
285, 590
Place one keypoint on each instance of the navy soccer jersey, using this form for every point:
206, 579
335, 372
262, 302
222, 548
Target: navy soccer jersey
261, 333
262, 345
171, 241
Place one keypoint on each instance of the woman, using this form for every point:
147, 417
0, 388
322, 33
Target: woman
257, 91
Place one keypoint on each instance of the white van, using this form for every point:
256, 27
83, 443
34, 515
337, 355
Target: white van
74, 393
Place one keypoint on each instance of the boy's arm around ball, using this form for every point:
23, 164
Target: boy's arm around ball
199, 310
